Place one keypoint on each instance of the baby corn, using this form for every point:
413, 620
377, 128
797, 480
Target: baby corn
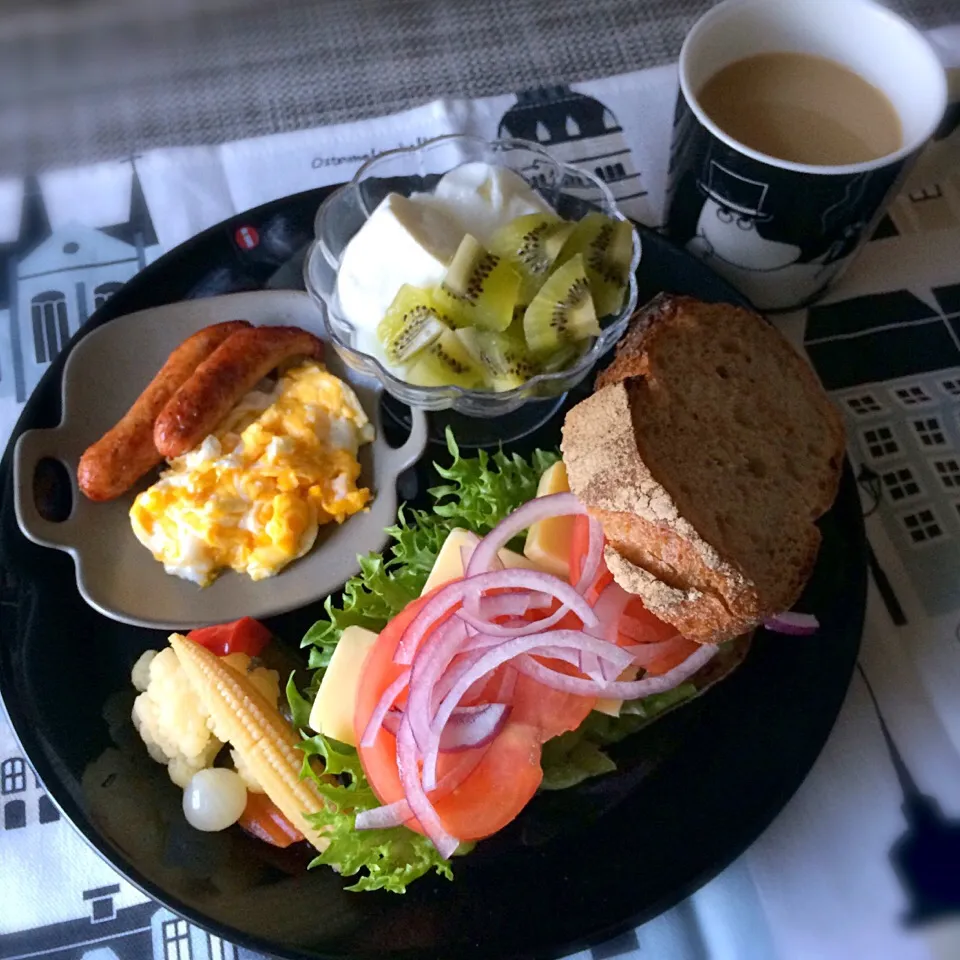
256, 730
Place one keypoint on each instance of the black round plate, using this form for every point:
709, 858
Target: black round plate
691, 793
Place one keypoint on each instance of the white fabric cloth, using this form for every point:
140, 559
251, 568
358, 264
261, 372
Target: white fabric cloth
819, 883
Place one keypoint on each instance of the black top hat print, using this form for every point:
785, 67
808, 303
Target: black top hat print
740, 194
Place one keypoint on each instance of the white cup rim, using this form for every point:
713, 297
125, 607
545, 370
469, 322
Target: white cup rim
908, 148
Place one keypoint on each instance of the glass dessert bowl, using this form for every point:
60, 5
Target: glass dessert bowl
354, 283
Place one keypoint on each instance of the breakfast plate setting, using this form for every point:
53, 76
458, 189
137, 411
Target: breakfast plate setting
284, 606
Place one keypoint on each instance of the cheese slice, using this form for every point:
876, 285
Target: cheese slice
332, 712
449, 563
612, 707
548, 541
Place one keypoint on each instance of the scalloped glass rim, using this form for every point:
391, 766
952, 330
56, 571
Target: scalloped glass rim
474, 402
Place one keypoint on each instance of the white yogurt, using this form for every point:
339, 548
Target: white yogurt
482, 198
413, 239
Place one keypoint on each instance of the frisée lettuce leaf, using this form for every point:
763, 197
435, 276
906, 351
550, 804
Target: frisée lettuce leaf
578, 755
385, 859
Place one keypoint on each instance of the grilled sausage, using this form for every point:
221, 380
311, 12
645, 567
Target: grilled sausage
126, 452
234, 369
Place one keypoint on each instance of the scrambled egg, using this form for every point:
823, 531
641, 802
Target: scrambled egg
252, 496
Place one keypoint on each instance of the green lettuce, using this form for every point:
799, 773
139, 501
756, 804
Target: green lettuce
578, 755
386, 859
389, 859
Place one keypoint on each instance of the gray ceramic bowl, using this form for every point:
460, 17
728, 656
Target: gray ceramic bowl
571, 191
117, 575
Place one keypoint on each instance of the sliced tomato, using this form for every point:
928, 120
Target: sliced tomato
509, 773
579, 548
245, 635
673, 658
551, 711
263, 819
646, 628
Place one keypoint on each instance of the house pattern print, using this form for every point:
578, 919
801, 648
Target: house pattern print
111, 921
577, 129
58, 273
891, 360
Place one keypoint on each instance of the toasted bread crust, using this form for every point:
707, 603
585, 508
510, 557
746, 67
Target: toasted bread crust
654, 549
632, 360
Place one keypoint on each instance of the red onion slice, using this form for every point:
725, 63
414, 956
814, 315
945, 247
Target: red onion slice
590, 665
574, 657
617, 689
509, 631
796, 624
609, 610
636, 629
413, 790
504, 605
399, 812
383, 818
469, 727
473, 726
388, 699
489, 662
467, 657
446, 600
644, 654
540, 508
508, 683
432, 660
591, 563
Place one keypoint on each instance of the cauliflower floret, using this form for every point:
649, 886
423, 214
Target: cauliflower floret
171, 719
173, 722
266, 681
140, 674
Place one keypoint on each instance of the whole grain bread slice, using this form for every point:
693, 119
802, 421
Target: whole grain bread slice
707, 452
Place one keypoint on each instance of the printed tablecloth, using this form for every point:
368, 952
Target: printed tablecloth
864, 861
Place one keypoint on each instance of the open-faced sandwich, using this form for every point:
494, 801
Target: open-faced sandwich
540, 611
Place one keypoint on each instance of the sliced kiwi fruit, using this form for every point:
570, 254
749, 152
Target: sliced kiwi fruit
562, 312
479, 289
505, 358
446, 362
531, 245
607, 249
564, 357
412, 322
